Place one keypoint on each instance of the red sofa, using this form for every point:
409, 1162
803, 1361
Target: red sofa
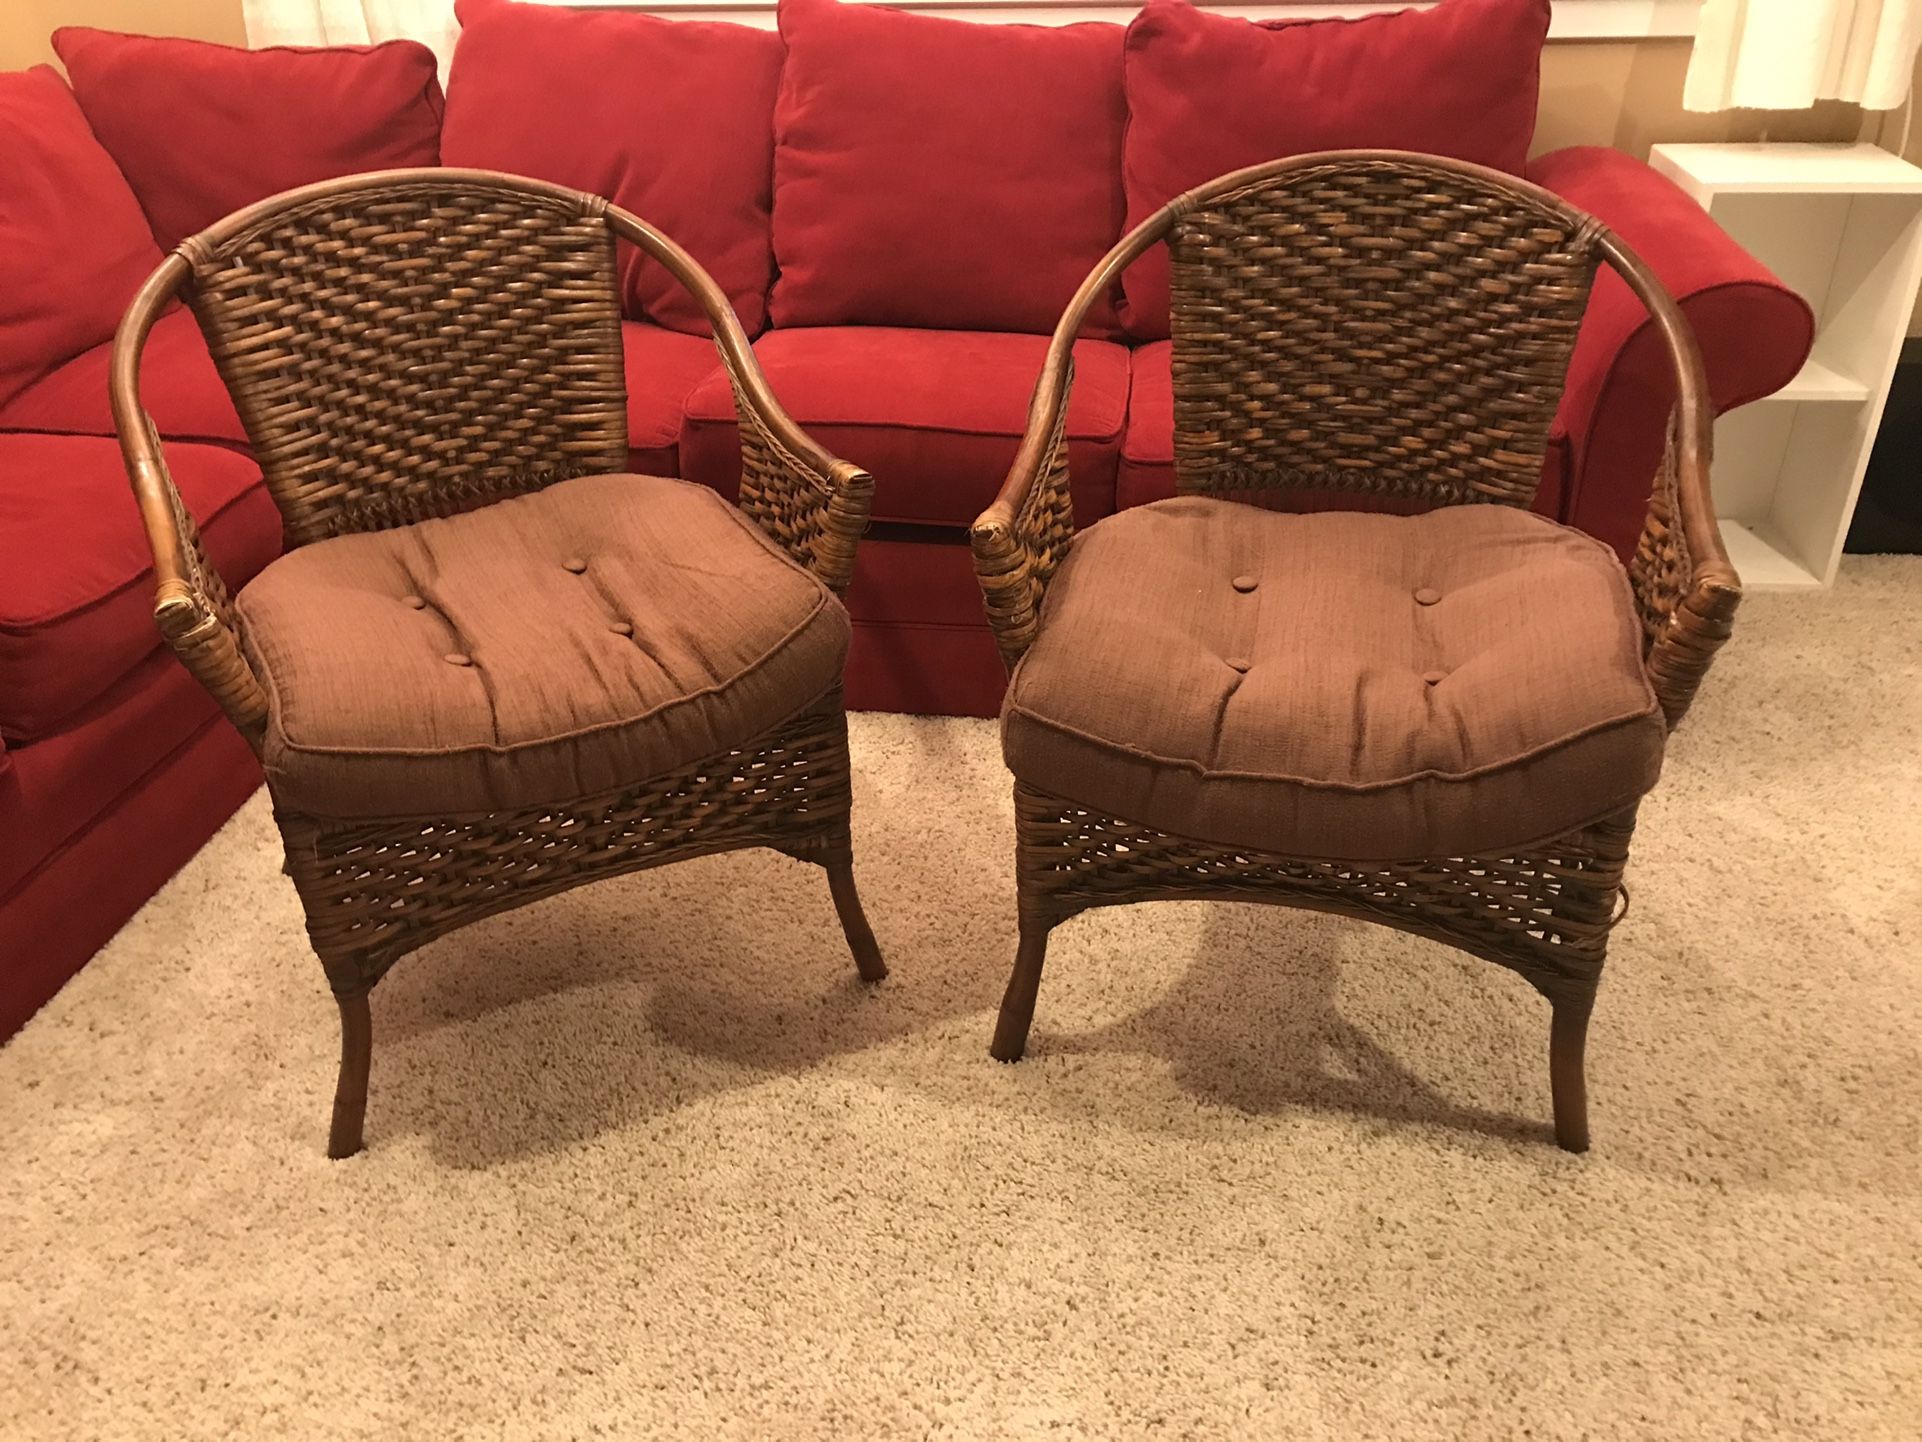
898, 205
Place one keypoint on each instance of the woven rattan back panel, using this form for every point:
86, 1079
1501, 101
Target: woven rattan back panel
417, 348
1373, 326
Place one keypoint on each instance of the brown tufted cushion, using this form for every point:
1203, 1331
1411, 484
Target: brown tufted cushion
1338, 686
600, 632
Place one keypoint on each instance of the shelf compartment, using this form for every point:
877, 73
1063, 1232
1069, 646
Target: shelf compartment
1764, 561
1842, 226
1819, 382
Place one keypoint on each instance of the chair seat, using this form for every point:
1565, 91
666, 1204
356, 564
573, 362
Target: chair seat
559, 645
1338, 686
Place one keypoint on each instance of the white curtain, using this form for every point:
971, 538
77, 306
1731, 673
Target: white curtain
353, 22
1788, 54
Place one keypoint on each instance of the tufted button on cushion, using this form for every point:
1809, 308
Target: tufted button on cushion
415, 603
1244, 583
367, 718
1239, 663
1336, 744
1427, 596
574, 564
1434, 678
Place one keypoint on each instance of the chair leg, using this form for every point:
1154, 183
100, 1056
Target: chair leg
854, 921
1017, 1005
356, 1055
1567, 1046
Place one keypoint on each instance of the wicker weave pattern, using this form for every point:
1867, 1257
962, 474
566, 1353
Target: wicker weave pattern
375, 891
415, 350
1684, 621
1015, 565
208, 585
1375, 328
816, 515
1544, 912
196, 614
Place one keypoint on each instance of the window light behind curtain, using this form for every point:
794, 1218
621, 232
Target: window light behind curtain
1788, 54
353, 22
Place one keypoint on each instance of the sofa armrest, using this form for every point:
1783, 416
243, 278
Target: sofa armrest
1754, 333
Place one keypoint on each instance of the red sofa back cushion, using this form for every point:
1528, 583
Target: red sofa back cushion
73, 245
200, 130
671, 119
1208, 94
942, 173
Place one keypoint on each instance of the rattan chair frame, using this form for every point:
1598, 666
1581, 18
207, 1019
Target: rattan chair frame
1387, 260
469, 332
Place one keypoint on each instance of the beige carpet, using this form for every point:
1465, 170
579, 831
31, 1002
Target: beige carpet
646, 1160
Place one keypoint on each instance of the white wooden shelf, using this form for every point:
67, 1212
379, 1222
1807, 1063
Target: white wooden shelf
1797, 168
1764, 561
1842, 226
1817, 382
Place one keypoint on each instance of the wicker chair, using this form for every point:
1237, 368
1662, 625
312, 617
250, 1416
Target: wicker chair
1440, 719
490, 666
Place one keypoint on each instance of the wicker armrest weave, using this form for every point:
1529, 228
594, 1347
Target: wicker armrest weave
1020, 540
192, 606
1685, 588
814, 506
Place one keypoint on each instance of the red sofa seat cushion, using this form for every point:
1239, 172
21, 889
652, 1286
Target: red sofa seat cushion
179, 386
200, 130
932, 172
73, 245
920, 644
1147, 469
935, 416
663, 369
76, 594
671, 119
1209, 93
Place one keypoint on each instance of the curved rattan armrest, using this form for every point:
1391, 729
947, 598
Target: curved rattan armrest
1020, 539
1685, 586
192, 606
813, 504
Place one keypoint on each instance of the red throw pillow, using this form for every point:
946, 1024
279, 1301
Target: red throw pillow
201, 130
73, 244
671, 119
942, 173
1208, 94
